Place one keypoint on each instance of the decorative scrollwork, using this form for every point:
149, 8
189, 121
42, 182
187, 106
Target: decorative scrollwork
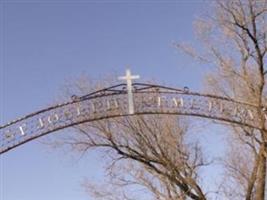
112, 102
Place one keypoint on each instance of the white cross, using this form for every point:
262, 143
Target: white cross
128, 77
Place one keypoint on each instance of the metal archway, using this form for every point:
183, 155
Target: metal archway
113, 102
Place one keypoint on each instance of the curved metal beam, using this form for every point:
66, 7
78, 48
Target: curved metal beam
112, 102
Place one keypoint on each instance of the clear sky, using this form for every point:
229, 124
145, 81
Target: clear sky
43, 43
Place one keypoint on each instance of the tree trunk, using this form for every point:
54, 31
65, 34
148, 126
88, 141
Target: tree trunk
260, 188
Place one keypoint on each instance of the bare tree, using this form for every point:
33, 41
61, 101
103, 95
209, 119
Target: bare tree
235, 42
150, 153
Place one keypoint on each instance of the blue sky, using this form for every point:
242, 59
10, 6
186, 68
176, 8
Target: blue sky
43, 43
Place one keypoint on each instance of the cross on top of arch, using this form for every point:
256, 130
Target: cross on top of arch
129, 77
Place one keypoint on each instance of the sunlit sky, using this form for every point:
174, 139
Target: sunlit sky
45, 43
